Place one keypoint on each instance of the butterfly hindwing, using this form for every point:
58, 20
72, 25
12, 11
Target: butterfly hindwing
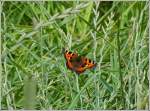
78, 63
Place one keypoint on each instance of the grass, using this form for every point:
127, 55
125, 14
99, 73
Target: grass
114, 34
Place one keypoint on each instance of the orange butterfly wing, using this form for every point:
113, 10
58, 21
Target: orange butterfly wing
76, 63
69, 56
89, 63
86, 64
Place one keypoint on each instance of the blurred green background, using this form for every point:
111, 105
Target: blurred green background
35, 76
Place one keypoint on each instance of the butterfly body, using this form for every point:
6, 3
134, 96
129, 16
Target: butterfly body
78, 63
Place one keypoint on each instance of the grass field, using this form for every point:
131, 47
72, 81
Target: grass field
113, 34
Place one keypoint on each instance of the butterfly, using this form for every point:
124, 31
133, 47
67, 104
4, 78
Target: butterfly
78, 63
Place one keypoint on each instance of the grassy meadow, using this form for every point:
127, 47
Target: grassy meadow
113, 34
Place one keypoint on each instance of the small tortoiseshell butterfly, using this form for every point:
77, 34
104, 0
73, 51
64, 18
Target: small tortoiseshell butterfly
78, 63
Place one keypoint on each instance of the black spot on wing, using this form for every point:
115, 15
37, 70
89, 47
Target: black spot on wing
83, 65
69, 52
70, 58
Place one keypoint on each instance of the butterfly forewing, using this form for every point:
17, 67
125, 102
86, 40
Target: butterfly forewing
70, 56
88, 63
